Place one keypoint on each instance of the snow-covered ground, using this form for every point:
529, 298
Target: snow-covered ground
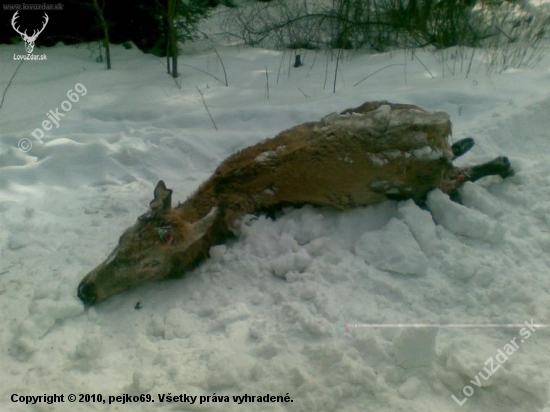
266, 314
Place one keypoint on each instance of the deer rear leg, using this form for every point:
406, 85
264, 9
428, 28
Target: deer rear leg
499, 166
462, 146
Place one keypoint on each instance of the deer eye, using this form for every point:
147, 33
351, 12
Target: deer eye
165, 233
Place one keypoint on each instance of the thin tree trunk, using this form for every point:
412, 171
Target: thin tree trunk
172, 37
167, 34
105, 26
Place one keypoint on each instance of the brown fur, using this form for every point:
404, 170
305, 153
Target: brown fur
318, 164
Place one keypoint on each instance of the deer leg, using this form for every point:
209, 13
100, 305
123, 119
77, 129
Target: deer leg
499, 166
462, 146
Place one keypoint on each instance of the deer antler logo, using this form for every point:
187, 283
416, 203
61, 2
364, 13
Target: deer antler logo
29, 40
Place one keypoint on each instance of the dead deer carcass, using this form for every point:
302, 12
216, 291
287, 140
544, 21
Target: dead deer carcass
362, 156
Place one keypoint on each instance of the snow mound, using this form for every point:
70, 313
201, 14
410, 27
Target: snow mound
462, 220
394, 249
477, 197
421, 224
415, 347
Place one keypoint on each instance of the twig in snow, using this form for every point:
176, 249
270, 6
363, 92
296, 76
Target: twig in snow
206, 107
280, 65
205, 72
305, 95
422, 63
289, 59
312, 63
379, 70
326, 73
223, 66
176, 81
336, 71
266, 83
9, 83
471, 61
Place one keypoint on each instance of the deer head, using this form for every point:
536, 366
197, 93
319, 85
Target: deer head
160, 242
29, 40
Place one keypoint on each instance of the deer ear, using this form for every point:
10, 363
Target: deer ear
161, 203
200, 227
163, 197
